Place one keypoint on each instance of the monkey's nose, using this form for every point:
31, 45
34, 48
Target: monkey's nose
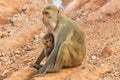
43, 19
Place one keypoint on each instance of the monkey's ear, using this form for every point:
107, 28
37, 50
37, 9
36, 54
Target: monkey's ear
59, 11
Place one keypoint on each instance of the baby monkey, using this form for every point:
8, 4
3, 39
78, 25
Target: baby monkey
48, 41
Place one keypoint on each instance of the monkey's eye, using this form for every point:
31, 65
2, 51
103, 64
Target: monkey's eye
47, 41
45, 12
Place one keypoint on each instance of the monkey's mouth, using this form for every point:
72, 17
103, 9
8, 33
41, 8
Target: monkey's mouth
53, 25
50, 28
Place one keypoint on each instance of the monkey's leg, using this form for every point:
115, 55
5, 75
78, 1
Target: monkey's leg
62, 59
50, 61
39, 59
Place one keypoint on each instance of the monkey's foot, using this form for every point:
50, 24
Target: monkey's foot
42, 72
36, 66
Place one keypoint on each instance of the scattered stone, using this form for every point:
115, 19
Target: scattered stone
29, 8
10, 33
93, 57
36, 38
17, 23
107, 51
17, 52
2, 77
5, 72
28, 48
3, 59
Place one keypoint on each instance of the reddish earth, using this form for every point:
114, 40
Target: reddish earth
21, 30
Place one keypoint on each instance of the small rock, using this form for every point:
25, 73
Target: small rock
9, 62
29, 8
4, 34
17, 52
12, 19
36, 38
107, 51
10, 33
28, 48
3, 59
94, 57
17, 23
5, 72
2, 77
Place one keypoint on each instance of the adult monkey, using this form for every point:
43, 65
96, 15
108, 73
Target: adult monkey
69, 46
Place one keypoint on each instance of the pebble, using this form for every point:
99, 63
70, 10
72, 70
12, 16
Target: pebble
17, 52
93, 57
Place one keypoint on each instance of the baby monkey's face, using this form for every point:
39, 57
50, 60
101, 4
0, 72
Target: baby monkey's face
48, 42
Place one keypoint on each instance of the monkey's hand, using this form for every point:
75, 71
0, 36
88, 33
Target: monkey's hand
36, 66
42, 71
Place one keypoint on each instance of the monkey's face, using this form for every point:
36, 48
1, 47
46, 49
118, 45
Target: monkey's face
48, 42
50, 18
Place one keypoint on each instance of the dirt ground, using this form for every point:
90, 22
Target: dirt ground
21, 30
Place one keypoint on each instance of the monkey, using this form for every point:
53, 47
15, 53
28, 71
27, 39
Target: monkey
69, 42
48, 41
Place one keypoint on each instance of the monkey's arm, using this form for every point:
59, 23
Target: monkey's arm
50, 61
40, 58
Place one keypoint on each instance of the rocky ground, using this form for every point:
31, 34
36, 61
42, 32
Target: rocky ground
21, 30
